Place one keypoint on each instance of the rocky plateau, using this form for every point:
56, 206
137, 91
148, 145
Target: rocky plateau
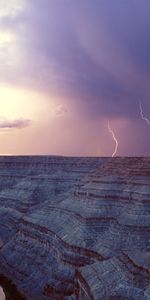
75, 228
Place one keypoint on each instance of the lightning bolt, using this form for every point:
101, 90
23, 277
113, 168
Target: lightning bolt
114, 138
142, 115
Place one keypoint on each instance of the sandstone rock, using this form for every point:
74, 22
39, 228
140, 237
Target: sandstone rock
2, 296
75, 228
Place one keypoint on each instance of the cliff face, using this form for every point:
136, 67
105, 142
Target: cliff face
75, 228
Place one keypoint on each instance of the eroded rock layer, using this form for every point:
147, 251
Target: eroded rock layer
75, 228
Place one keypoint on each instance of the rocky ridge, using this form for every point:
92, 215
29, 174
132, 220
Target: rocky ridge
75, 228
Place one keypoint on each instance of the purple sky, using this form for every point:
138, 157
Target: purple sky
73, 65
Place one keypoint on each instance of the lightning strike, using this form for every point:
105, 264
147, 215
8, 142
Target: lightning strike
142, 115
114, 138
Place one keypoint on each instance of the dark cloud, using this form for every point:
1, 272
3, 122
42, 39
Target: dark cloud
12, 124
98, 53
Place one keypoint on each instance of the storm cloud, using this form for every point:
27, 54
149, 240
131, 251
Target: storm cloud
99, 51
94, 54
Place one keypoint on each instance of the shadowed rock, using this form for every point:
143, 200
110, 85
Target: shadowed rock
75, 228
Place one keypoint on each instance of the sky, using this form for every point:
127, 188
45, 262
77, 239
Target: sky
74, 77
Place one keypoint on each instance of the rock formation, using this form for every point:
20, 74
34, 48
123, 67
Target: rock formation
75, 228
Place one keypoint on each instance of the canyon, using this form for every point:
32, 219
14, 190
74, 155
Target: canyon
75, 228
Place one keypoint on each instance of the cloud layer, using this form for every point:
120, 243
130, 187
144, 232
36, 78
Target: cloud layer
92, 55
14, 124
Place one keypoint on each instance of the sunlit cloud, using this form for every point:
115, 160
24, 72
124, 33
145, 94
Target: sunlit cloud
10, 55
16, 102
11, 8
6, 38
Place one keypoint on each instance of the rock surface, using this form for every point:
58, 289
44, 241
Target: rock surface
2, 296
75, 228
